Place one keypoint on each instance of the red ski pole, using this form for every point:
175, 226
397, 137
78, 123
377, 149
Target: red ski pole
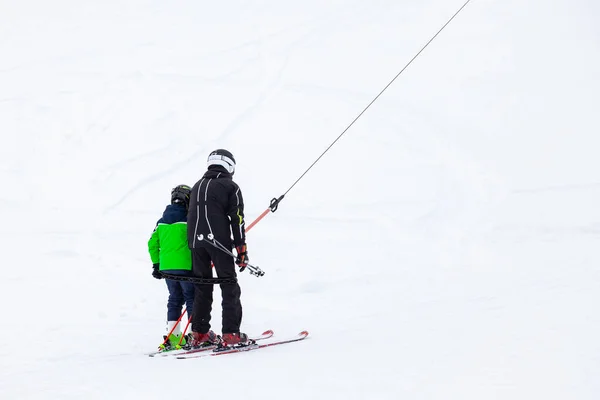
174, 326
184, 331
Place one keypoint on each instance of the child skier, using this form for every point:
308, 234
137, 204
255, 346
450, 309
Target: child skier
169, 252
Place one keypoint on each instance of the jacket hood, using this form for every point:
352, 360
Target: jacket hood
174, 213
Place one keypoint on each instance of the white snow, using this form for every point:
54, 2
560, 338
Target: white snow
447, 247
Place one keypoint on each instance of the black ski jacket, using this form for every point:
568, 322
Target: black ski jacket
217, 207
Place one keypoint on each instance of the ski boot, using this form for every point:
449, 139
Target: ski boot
174, 342
237, 339
202, 339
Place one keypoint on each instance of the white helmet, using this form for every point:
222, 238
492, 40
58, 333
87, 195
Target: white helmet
223, 158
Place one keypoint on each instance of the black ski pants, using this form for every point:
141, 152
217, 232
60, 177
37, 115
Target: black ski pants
230, 292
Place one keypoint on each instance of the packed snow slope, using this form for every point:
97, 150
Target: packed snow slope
447, 247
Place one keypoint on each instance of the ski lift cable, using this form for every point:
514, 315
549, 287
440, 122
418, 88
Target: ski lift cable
275, 201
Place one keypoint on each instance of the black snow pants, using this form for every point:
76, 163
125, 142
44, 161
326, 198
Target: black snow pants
230, 292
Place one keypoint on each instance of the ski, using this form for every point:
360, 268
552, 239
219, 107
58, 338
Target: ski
254, 346
265, 335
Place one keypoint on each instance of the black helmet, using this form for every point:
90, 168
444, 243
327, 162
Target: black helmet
223, 158
181, 195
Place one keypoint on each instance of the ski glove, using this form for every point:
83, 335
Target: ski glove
155, 272
242, 257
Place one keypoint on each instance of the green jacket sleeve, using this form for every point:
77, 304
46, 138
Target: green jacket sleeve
154, 246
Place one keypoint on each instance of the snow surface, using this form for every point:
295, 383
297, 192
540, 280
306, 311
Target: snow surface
447, 247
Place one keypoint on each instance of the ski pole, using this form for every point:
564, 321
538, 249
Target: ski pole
174, 326
254, 269
184, 332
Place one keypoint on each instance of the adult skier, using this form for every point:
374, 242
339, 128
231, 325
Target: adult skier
169, 252
217, 208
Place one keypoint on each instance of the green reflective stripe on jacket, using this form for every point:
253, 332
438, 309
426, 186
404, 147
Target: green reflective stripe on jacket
168, 246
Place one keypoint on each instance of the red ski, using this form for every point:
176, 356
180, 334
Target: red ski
254, 346
171, 353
